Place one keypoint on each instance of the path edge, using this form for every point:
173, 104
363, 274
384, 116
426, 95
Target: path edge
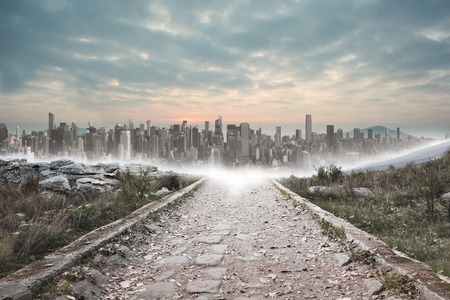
431, 285
23, 283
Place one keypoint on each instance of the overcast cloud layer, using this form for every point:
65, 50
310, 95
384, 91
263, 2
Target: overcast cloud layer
348, 63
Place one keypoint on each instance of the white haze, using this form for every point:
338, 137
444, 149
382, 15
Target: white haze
237, 179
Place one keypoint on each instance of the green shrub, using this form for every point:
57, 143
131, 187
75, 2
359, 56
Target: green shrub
85, 216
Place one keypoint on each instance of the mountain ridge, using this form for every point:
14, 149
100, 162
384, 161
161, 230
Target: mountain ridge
378, 129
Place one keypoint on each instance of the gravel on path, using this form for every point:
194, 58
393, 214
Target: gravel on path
232, 242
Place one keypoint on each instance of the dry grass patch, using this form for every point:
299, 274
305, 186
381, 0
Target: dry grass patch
405, 211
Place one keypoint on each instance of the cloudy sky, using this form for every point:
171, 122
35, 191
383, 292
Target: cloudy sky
348, 63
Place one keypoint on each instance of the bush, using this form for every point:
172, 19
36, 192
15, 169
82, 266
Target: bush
329, 174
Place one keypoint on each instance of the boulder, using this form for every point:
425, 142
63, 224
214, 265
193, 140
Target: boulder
446, 197
318, 189
162, 191
87, 184
109, 168
363, 192
57, 183
78, 169
56, 164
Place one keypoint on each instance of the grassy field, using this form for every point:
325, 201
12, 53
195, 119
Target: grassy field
32, 225
404, 210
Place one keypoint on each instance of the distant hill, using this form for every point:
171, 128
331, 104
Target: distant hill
379, 130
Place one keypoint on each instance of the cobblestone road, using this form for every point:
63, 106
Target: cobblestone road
241, 242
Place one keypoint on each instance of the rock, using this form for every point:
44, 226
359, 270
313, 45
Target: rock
162, 191
342, 259
109, 168
97, 277
318, 189
78, 169
47, 173
374, 287
203, 286
220, 248
125, 252
58, 183
216, 273
174, 261
14, 291
209, 260
153, 228
158, 290
446, 197
363, 192
211, 239
86, 290
166, 275
91, 185
56, 164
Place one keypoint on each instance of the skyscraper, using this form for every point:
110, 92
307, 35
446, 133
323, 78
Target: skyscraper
357, 135
125, 141
149, 125
278, 136
308, 128
370, 134
3, 132
245, 137
298, 134
330, 137
51, 121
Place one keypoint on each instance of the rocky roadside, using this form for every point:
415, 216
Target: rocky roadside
227, 242
71, 177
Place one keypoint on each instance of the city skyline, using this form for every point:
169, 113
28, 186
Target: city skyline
224, 144
347, 63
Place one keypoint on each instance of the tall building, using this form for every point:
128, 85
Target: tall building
149, 125
298, 134
398, 133
357, 135
125, 142
278, 136
51, 122
218, 127
308, 128
3, 132
330, 137
370, 134
218, 135
245, 138
339, 134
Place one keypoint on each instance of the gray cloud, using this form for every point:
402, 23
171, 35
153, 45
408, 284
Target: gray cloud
218, 45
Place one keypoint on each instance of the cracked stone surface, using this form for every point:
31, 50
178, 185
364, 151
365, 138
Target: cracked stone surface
233, 242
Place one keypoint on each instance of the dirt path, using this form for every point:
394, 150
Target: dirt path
241, 242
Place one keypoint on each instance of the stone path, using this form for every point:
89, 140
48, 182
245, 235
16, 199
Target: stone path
246, 242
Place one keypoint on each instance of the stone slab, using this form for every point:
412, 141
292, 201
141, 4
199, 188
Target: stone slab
158, 290
219, 248
222, 232
210, 239
174, 261
203, 286
215, 273
209, 260
220, 227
